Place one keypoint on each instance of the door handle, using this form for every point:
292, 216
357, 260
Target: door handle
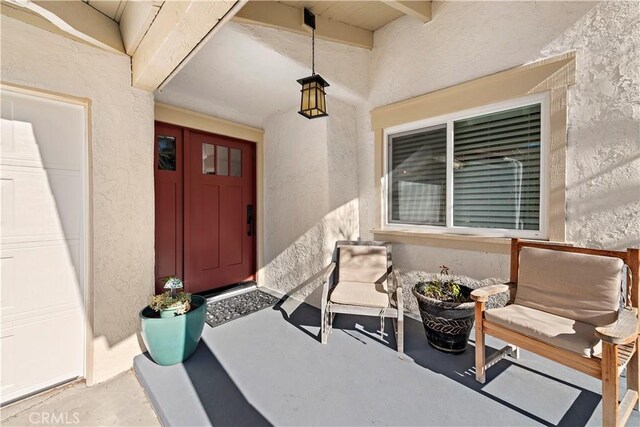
250, 220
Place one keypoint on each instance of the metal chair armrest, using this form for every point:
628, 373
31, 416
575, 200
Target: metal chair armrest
397, 280
325, 283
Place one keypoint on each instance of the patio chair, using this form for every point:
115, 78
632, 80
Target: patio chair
357, 282
568, 308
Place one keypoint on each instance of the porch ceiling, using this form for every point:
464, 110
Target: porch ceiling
247, 73
235, 77
368, 15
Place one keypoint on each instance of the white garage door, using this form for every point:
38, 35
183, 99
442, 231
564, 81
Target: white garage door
42, 213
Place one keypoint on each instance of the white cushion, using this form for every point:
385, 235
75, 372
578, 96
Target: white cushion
359, 263
576, 286
360, 294
552, 329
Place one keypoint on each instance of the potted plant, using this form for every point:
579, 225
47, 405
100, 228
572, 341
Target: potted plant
172, 323
172, 302
447, 311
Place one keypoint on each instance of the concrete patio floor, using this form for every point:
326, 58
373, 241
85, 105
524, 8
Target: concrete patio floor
117, 402
269, 368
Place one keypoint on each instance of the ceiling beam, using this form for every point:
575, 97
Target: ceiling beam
417, 9
177, 30
76, 19
277, 15
135, 20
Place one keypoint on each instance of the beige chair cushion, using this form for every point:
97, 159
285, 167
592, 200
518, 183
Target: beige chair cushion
576, 286
557, 331
360, 294
362, 264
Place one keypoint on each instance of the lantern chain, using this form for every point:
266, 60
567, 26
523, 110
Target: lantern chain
313, 52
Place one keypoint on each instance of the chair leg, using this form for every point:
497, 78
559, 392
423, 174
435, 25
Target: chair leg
325, 325
633, 373
323, 331
515, 353
398, 324
480, 355
609, 385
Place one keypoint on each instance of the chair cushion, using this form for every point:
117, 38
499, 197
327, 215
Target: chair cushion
362, 263
554, 330
577, 286
360, 294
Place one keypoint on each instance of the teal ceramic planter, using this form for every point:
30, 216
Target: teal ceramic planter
171, 340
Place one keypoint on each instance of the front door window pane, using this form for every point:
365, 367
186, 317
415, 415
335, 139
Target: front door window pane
208, 159
223, 161
236, 162
166, 153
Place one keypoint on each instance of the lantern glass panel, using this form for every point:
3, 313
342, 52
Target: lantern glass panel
313, 95
321, 98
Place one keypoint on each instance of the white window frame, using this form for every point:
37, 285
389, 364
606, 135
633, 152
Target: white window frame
543, 234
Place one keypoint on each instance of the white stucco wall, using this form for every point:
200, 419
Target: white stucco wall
122, 173
304, 205
467, 40
311, 195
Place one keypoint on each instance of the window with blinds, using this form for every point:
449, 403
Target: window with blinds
418, 176
496, 183
470, 172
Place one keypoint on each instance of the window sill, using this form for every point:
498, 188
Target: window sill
500, 245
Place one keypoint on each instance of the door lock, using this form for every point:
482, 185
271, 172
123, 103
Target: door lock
250, 220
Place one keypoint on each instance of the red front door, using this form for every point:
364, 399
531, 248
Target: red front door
205, 208
219, 211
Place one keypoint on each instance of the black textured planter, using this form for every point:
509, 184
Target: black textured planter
447, 325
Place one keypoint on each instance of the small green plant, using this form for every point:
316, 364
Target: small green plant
172, 299
443, 288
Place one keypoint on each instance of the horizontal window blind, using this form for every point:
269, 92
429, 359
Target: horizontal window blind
496, 177
418, 176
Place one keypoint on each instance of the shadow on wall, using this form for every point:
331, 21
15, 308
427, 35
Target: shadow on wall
42, 221
497, 36
606, 190
311, 196
298, 268
48, 204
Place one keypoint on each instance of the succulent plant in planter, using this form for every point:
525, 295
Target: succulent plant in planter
446, 309
172, 323
171, 303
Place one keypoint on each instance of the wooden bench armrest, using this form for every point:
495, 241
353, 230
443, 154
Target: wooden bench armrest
482, 294
624, 331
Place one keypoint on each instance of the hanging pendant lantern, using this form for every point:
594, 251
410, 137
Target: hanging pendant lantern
313, 103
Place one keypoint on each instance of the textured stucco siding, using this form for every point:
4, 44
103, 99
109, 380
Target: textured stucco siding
121, 170
464, 41
311, 195
467, 40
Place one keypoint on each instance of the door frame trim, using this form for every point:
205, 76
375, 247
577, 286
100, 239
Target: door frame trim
87, 184
169, 114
